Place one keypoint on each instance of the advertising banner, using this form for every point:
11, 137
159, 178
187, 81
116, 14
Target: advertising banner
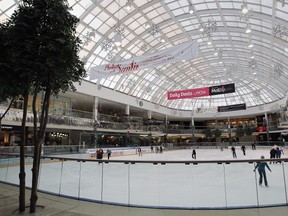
185, 51
201, 92
189, 93
222, 89
232, 107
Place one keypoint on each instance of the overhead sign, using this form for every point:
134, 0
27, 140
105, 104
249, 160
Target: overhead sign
222, 89
232, 107
185, 51
201, 92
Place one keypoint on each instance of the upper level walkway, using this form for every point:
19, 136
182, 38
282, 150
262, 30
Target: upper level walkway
59, 206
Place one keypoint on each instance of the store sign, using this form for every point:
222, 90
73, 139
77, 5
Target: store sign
232, 108
261, 129
185, 51
201, 92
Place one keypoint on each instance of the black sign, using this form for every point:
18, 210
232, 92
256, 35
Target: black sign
232, 107
222, 89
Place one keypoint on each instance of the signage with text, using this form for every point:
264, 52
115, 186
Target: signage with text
201, 92
232, 107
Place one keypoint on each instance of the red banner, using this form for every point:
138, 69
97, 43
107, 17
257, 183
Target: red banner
189, 93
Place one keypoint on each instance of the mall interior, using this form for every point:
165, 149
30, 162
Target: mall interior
147, 60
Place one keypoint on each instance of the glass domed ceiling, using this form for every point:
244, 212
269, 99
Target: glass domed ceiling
259, 71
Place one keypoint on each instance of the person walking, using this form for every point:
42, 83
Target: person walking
261, 170
194, 154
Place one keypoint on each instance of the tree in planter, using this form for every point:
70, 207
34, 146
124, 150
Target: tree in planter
239, 131
207, 133
248, 130
51, 42
15, 83
217, 133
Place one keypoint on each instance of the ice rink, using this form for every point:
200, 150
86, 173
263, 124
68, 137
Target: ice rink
163, 185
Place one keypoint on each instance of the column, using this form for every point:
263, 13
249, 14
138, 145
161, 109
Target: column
95, 115
193, 130
267, 128
229, 130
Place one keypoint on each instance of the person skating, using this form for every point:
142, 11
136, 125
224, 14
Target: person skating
233, 152
243, 149
194, 154
261, 170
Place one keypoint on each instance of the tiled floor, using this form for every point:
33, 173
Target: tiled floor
57, 206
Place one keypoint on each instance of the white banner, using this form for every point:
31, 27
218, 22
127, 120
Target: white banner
185, 51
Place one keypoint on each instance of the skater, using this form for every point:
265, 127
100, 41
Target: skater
109, 152
243, 149
140, 152
262, 173
233, 152
253, 146
272, 154
194, 154
152, 149
278, 154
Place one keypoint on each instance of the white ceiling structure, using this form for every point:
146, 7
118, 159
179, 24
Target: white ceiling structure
259, 71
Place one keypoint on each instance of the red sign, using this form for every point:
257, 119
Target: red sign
189, 93
261, 129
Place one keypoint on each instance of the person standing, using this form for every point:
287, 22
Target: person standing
272, 154
233, 152
194, 154
261, 170
140, 152
109, 153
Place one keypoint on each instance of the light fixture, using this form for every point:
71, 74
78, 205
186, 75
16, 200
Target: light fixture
248, 28
162, 39
244, 8
128, 5
119, 31
190, 10
118, 39
209, 42
146, 25
201, 28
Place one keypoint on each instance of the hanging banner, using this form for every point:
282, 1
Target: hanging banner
201, 92
234, 107
185, 51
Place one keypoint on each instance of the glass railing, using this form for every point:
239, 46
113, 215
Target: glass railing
156, 184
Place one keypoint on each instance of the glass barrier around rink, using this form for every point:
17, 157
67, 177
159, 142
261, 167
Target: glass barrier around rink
70, 178
91, 180
158, 184
50, 175
4, 165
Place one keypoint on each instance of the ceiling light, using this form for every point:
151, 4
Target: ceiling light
191, 11
248, 29
201, 28
252, 57
162, 40
118, 39
250, 45
209, 42
244, 8
128, 5
147, 25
